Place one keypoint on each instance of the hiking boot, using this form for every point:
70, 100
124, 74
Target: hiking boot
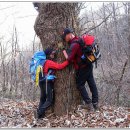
87, 106
35, 114
95, 106
38, 116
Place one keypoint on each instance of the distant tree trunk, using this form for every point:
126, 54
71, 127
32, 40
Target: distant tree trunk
116, 39
52, 18
129, 33
109, 46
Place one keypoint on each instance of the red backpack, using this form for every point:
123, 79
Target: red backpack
90, 48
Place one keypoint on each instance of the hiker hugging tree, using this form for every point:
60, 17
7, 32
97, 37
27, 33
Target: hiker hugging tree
51, 19
44, 77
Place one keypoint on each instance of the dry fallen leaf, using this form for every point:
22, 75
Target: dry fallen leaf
19, 114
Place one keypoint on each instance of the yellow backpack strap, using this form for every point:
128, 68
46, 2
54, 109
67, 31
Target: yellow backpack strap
38, 70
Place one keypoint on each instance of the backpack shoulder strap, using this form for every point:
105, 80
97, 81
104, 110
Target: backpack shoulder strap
79, 41
75, 41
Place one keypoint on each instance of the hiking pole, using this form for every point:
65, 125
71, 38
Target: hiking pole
68, 90
46, 83
46, 88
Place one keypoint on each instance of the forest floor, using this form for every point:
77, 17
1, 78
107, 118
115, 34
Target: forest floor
19, 114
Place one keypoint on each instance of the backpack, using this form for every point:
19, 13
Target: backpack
36, 66
90, 49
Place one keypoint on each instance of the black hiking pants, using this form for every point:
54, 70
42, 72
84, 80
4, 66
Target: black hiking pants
46, 97
83, 75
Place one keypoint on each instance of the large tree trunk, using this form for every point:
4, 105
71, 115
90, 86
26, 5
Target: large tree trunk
52, 18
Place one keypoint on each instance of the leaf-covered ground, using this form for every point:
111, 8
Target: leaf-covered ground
19, 114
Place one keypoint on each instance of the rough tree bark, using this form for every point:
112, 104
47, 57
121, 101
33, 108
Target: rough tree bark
52, 18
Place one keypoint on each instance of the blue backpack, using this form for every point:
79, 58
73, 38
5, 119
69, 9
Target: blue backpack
36, 68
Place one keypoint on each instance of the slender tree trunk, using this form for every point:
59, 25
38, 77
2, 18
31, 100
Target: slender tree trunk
129, 33
52, 18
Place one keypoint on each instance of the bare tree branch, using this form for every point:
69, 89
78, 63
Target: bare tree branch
101, 22
7, 7
98, 24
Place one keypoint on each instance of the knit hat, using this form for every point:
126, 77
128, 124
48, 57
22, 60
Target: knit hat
65, 32
48, 51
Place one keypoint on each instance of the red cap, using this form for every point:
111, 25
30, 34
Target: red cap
88, 39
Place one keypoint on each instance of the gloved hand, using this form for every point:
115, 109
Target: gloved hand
61, 46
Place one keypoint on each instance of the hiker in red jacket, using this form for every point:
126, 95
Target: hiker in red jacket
84, 71
47, 96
